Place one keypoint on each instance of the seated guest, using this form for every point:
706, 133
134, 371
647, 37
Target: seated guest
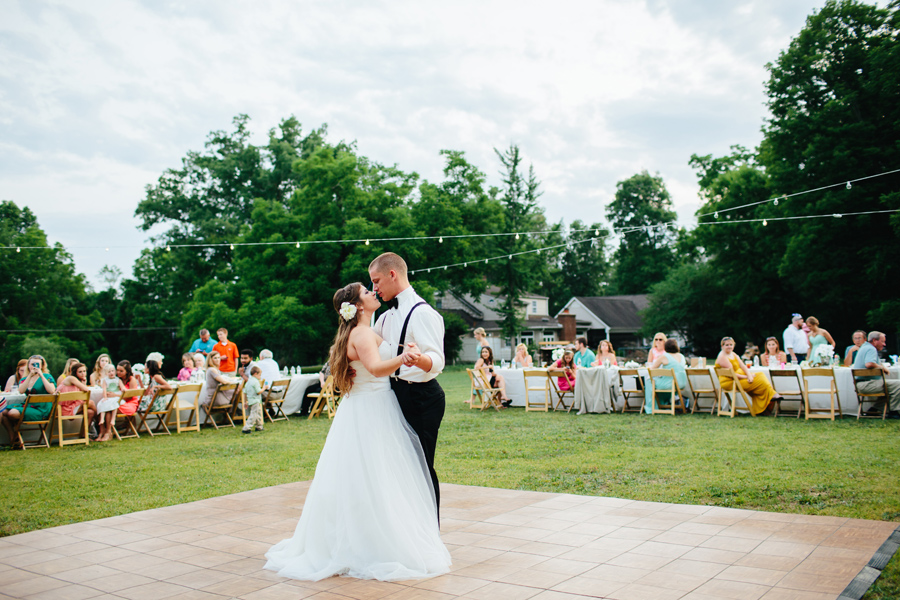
671, 359
37, 381
199, 366
485, 363
67, 369
13, 382
757, 387
203, 345
187, 367
859, 338
75, 382
213, 378
246, 358
128, 381
99, 365
658, 348
605, 353
867, 358
523, 359
270, 369
157, 382
567, 364
584, 356
773, 357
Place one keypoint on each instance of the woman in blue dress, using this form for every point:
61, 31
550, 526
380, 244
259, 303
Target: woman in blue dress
670, 359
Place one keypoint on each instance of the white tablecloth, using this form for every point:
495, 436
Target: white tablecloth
297, 392
515, 387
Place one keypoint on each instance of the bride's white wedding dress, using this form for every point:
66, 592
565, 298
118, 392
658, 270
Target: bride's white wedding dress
370, 511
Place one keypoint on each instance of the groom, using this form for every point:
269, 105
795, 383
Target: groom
411, 319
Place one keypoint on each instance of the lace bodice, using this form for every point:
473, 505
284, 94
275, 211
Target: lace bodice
364, 381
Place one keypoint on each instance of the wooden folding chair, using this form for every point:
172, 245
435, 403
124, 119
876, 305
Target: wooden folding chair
76, 437
41, 425
180, 402
832, 391
161, 414
474, 394
274, 400
239, 402
211, 408
881, 395
540, 376
632, 392
129, 419
702, 389
674, 400
787, 383
490, 396
553, 376
325, 398
731, 395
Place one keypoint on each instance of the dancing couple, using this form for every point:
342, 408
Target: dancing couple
372, 509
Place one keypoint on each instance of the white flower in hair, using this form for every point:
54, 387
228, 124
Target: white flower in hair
348, 311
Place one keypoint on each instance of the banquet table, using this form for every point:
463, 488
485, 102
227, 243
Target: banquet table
515, 387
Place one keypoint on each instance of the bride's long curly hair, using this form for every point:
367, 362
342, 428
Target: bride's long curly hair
339, 361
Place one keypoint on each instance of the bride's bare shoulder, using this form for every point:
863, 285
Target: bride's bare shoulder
363, 335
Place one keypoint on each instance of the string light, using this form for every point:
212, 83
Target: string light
232, 246
367, 242
715, 216
765, 222
517, 235
18, 249
168, 248
440, 240
298, 244
818, 189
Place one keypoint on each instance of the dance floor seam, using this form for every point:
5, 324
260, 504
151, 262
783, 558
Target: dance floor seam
505, 544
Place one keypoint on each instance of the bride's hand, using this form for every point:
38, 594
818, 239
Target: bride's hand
410, 357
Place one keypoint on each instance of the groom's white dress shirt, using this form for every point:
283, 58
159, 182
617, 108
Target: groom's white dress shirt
426, 329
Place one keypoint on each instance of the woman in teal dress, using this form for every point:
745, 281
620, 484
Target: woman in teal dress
817, 337
670, 359
38, 381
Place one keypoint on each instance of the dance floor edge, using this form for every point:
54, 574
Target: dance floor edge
506, 545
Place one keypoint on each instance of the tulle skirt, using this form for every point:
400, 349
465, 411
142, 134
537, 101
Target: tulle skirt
370, 511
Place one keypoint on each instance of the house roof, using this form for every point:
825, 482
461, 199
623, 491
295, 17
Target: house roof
618, 312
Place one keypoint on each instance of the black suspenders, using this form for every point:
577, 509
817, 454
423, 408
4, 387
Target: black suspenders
402, 344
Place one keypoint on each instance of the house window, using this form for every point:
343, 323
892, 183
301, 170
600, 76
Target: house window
534, 307
527, 337
549, 337
439, 303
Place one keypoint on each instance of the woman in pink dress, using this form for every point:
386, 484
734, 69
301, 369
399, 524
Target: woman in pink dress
567, 363
76, 382
129, 382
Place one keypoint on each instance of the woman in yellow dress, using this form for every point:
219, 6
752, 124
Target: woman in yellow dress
757, 387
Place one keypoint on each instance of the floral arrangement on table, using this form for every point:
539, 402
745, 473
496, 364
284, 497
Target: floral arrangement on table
822, 355
557, 354
140, 371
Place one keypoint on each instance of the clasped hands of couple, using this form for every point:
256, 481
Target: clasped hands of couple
411, 355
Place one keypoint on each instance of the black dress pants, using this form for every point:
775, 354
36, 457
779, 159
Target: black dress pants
423, 406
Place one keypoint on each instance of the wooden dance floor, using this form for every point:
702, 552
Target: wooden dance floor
506, 545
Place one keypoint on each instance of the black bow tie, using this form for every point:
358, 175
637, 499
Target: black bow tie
392, 303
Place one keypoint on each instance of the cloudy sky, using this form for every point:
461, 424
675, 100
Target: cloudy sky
97, 98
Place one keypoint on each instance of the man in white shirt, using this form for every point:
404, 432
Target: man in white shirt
796, 344
411, 320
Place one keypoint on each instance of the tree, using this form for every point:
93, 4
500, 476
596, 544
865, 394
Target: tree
581, 268
41, 295
521, 213
834, 97
642, 216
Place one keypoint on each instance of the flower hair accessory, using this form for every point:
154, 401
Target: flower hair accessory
348, 311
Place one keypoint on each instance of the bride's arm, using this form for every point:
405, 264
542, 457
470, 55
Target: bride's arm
365, 342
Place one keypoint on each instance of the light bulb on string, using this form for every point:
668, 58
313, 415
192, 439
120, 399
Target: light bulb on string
510, 257
596, 232
517, 235
775, 202
441, 240
168, 248
298, 244
367, 242
765, 222
232, 246
466, 265
445, 268
716, 215
18, 249
837, 215
485, 261
849, 187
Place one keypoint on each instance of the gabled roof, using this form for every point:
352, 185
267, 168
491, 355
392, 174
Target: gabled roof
618, 312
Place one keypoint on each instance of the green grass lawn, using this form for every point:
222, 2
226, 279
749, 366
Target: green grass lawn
845, 468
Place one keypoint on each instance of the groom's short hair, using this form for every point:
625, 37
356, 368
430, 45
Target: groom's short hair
388, 262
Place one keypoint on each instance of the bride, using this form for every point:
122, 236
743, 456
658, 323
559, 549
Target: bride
370, 511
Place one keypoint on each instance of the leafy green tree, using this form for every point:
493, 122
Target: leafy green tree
39, 291
580, 268
642, 216
834, 97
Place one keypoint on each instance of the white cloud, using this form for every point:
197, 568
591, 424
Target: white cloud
97, 99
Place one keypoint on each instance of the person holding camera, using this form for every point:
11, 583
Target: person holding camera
37, 381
